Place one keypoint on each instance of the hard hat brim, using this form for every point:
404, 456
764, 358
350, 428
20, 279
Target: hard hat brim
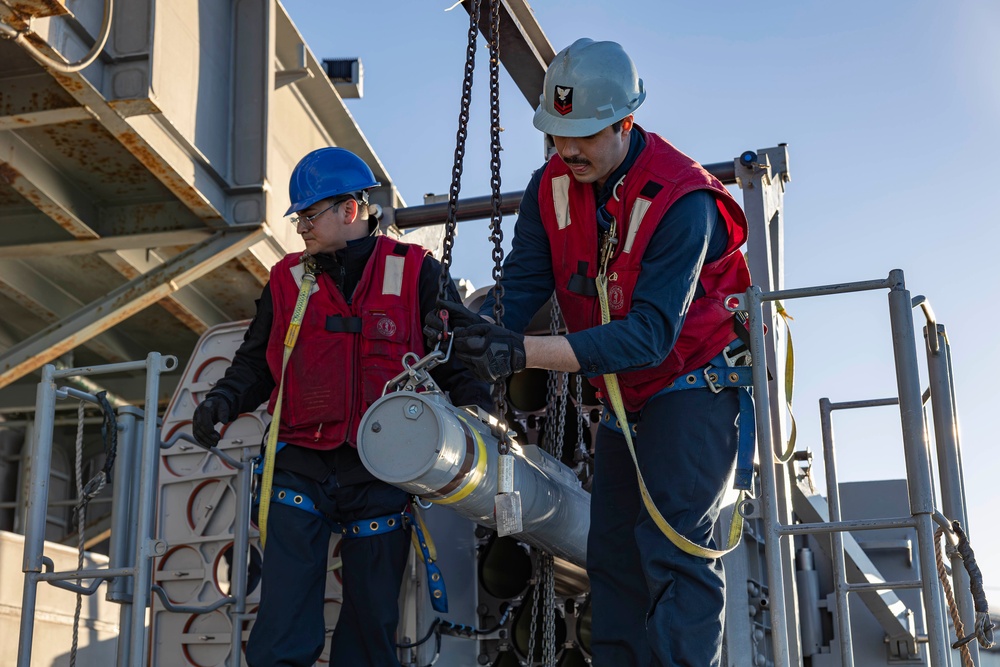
579, 127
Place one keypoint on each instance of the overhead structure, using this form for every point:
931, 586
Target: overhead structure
114, 179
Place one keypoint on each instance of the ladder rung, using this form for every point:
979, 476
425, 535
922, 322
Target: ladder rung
845, 526
883, 586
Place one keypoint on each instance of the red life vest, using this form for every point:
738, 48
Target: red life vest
345, 353
659, 177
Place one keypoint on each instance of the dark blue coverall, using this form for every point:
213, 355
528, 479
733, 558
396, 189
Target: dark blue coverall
289, 630
652, 603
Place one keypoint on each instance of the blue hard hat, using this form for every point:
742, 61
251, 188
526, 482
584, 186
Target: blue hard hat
327, 172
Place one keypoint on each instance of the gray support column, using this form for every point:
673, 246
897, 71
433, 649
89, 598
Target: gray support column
252, 68
763, 185
37, 506
123, 523
241, 557
918, 467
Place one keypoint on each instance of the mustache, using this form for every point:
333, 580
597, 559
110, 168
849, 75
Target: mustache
576, 160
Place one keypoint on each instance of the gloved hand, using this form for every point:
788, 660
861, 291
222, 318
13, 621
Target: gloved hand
458, 316
491, 352
212, 410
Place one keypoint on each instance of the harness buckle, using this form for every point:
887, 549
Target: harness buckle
712, 380
740, 358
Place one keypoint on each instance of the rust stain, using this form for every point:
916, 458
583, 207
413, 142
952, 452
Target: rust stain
8, 174
38, 8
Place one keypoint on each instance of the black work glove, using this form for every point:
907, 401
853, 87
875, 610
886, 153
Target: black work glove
458, 316
491, 352
212, 410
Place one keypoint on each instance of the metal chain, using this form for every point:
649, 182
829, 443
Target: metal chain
557, 394
533, 627
496, 233
580, 444
463, 132
549, 612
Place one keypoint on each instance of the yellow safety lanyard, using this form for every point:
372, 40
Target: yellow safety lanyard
308, 280
615, 396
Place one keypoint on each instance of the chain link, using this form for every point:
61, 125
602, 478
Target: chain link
496, 233
463, 132
580, 444
549, 612
533, 627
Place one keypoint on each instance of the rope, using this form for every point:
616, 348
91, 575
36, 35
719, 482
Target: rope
984, 626
949, 595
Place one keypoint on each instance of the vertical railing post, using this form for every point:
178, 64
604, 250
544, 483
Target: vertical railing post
37, 508
146, 547
836, 537
917, 458
241, 556
123, 523
769, 500
946, 437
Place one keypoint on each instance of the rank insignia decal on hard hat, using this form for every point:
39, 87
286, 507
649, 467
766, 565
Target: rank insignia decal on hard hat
564, 100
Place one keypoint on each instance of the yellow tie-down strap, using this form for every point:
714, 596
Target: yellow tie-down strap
267, 479
615, 396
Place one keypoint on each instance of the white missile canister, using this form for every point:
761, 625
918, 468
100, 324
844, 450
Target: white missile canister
422, 444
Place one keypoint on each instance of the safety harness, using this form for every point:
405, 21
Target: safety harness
718, 375
420, 537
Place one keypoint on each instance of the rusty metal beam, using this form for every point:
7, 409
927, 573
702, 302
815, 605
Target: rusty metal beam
22, 121
41, 183
109, 243
121, 303
525, 51
34, 292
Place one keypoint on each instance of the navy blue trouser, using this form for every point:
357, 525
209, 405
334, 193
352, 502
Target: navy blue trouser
653, 604
289, 630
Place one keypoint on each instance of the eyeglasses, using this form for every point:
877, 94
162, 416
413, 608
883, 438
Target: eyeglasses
296, 220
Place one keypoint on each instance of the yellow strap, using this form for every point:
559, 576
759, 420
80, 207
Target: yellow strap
431, 549
308, 280
614, 394
785, 456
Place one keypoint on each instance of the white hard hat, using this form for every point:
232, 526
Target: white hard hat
589, 86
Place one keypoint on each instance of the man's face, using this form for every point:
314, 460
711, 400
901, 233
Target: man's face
324, 226
592, 159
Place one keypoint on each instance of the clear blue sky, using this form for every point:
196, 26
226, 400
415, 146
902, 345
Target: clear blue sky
889, 109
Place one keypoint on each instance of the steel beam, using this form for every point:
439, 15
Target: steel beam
23, 121
123, 302
525, 51
105, 244
54, 194
33, 291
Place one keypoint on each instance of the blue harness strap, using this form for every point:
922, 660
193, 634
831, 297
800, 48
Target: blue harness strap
715, 377
435, 580
369, 528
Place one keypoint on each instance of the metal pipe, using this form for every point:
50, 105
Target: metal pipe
836, 538
94, 573
871, 403
826, 290
944, 411
426, 446
472, 208
883, 586
479, 208
103, 370
769, 500
150, 456
811, 628
917, 458
37, 508
853, 524
241, 557
121, 518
